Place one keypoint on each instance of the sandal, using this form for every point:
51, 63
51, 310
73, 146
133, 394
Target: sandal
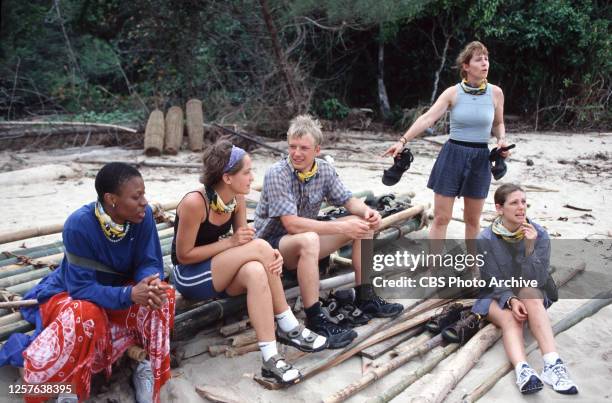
278, 369
464, 329
295, 338
340, 308
401, 164
449, 315
498, 165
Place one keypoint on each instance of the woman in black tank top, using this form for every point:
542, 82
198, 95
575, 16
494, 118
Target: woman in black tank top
208, 265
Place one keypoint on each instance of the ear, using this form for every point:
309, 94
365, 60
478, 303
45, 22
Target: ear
110, 199
227, 179
317, 150
499, 208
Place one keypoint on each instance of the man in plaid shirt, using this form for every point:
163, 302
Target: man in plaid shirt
293, 191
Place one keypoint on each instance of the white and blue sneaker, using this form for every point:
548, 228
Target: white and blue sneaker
556, 375
528, 380
142, 378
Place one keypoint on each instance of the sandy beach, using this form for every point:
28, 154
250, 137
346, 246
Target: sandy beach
558, 169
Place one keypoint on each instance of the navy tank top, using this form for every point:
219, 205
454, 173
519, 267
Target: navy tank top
207, 233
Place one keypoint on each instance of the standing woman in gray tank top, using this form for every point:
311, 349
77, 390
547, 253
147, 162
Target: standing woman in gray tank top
462, 168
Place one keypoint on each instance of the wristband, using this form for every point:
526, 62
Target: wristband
403, 140
510, 299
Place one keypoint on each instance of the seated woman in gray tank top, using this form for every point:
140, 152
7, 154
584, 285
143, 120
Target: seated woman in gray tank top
208, 266
462, 168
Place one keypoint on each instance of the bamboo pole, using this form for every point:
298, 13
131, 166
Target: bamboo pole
195, 124
584, 311
31, 232
174, 130
76, 124
439, 354
154, 134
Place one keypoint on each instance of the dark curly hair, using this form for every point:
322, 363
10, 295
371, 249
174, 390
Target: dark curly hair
214, 160
110, 178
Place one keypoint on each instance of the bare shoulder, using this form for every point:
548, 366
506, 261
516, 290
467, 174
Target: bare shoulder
497, 91
192, 205
449, 95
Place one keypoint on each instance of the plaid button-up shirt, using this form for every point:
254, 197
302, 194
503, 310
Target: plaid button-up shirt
284, 194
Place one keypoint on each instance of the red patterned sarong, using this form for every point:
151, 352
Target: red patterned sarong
80, 339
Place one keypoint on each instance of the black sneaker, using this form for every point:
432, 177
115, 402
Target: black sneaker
373, 305
337, 336
340, 308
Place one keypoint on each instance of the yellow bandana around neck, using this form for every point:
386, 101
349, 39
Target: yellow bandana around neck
467, 88
217, 204
498, 229
114, 232
304, 177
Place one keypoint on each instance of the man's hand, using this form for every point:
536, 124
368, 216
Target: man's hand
242, 235
373, 218
276, 267
518, 309
355, 227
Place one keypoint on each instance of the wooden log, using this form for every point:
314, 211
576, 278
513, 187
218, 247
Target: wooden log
415, 316
10, 255
584, 311
74, 124
174, 130
154, 134
243, 339
217, 394
409, 352
19, 326
188, 323
217, 349
241, 350
439, 354
195, 124
18, 304
379, 349
10, 318
31, 232
234, 328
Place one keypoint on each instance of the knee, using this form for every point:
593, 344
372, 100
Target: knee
262, 248
441, 219
255, 276
471, 220
89, 310
309, 243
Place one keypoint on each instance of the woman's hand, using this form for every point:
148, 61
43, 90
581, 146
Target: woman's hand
531, 235
518, 309
394, 149
243, 235
276, 266
501, 142
150, 292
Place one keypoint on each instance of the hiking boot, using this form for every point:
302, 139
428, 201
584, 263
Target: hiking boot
556, 375
340, 308
277, 368
373, 305
337, 336
449, 315
143, 381
464, 329
528, 381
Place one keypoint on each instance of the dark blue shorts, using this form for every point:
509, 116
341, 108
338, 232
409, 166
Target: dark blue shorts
194, 281
461, 170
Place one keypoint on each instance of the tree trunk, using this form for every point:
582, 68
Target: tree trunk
439, 71
279, 55
383, 99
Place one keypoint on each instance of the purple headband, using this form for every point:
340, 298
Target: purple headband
235, 156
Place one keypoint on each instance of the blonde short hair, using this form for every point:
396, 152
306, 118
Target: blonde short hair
467, 53
305, 124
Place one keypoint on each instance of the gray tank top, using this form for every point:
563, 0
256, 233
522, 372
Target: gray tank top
471, 118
